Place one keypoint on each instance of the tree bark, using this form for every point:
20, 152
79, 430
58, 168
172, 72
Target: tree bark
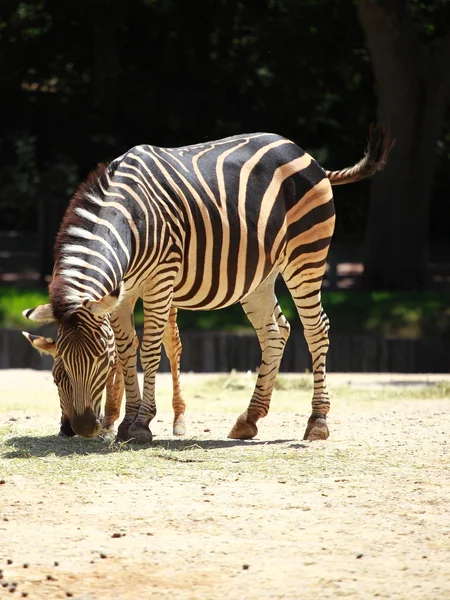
413, 87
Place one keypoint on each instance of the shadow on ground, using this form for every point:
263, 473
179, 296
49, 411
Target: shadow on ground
28, 446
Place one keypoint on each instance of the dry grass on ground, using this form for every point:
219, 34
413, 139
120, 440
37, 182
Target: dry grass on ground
362, 515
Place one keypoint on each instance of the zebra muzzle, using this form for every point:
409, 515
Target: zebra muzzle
87, 425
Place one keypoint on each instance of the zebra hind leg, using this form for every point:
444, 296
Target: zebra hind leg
315, 326
272, 329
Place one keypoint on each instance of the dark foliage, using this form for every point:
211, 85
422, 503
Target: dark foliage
84, 81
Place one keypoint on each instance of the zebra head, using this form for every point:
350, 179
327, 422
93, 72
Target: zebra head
84, 354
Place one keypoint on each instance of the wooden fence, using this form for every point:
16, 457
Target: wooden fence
222, 351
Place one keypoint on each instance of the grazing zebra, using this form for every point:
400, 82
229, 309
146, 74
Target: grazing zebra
197, 227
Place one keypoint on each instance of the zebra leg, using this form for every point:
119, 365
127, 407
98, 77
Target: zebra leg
306, 295
173, 347
272, 329
115, 388
114, 392
123, 324
157, 304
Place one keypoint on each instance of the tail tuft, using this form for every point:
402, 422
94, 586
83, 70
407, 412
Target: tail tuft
375, 157
378, 148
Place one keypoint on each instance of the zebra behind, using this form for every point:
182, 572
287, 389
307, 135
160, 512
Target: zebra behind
198, 227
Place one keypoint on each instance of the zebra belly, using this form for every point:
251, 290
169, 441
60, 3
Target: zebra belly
223, 298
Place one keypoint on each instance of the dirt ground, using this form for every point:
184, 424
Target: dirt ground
365, 514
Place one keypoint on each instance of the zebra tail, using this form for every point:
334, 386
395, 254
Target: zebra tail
375, 156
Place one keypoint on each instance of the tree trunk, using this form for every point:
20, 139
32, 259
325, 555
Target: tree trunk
412, 86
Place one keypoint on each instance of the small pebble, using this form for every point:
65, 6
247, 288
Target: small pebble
25, 565
117, 535
5, 519
246, 567
56, 563
50, 578
2, 481
69, 594
5, 583
359, 555
9, 561
103, 555
25, 594
207, 430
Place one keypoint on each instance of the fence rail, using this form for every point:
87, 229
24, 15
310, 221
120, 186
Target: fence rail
211, 352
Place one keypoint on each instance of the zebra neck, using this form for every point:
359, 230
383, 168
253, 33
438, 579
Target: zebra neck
93, 263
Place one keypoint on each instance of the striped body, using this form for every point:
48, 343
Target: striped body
198, 227
220, 215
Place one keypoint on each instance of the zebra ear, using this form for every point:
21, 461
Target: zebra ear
42, 344
42, 313
105, 305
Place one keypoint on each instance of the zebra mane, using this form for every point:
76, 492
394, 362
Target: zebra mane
63, 302
93, 186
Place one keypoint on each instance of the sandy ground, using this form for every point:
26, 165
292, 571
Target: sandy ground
363, 515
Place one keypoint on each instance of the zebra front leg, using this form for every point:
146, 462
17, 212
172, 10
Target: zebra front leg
173, 347
115, 388
122, 322
272, 329
157, 304
114, 392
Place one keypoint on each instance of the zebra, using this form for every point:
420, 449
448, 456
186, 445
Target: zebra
196, 227
114, 384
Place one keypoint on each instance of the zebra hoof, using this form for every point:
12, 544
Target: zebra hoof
317, 429
139, 434
242, 429
179, 427
123, 431
107, 433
